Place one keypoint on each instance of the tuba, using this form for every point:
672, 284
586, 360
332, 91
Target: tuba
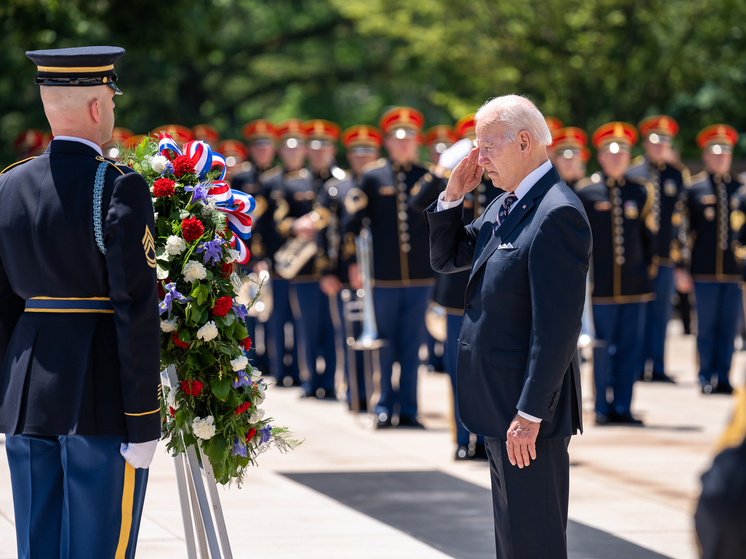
293, 255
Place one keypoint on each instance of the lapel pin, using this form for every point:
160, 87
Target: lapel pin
524, 206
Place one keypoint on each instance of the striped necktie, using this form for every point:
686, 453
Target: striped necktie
503, 211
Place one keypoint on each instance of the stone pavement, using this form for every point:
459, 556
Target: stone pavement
631, 488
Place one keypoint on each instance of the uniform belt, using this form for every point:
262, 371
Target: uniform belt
70, 305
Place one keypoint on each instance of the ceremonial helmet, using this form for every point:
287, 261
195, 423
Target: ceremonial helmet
614, 136
717, 139
259, 131
290, 132
321, 133
658, 129
206, 133
440, 137
570, 142
362, 138
402, 122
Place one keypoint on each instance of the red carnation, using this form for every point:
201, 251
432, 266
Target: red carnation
246, 343
192, 229
222, 306
242, 408
175, 339
182, 166
250, 434
163, 187
191, 387
161, 291
172, 411
225, 270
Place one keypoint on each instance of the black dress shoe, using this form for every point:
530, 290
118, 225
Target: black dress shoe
308, 393
706, 388
383, 421
462, 452
410, 421
723, 389
625, 419
323, 394
362, 405
480, 451
662, 377
602, 419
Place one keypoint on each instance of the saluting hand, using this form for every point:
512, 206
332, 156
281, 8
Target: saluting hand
464, 178
521, 443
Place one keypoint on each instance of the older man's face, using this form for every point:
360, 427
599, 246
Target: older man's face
500, 158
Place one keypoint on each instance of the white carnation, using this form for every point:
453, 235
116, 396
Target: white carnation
168, 325
204, 428
208, 208
236, 282
158, 163
232, 255
239, 363
208, 332
256, 416
175, 245
155, 216
194, 271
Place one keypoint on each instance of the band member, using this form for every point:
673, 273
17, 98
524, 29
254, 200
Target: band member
393, 194
667, 176
208, 134
554, 124
712, 215
438, 139
31, 143
569, 153
236, 155
623, 217
363, 146
79, 328
181, 134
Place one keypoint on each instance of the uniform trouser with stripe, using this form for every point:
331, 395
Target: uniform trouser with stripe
282, 362
317, 339
616, 355
450, 360
657, 315
719, 307
400, 317
358, 355
74, 497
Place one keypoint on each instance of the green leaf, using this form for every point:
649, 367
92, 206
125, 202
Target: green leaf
228, 330
206, 357
163, 228
221, 388
215, 449
240, 332
229, 319
180, 418
183, 214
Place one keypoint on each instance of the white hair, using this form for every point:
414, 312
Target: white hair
515, 113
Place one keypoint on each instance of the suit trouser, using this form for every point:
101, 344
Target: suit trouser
657, 315
530, 504
316, 335
719, 307
450, 360
276, 346
616, 355
400, 317
359, 360
74, 497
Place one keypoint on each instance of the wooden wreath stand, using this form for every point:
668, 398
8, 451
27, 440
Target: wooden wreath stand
195, 480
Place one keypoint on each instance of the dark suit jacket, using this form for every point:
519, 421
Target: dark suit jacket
523, 308
77, 373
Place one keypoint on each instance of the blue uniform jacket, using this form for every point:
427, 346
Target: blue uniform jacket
518, 341
93, 373
250, 182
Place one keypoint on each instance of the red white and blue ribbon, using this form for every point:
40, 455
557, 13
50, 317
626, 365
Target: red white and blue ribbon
200, 153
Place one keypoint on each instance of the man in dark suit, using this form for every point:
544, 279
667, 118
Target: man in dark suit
518, 373
79, 332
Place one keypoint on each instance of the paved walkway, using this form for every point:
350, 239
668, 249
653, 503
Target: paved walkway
631, 488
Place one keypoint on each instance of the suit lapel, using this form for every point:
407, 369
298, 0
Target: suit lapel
522, 209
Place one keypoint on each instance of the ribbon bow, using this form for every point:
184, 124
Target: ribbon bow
200, 153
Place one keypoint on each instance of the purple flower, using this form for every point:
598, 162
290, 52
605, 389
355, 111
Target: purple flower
238, 448
242, 379
171, 296
240, 310
266, 434
212, 250
199, 192
169, 169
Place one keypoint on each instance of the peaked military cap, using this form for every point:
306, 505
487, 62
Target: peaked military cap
80, 66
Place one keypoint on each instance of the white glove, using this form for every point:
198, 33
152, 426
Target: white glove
454, 154
138, 455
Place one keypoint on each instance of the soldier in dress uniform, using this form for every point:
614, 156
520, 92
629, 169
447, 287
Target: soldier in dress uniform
235, 154
623, 217
363, 146
299, 215
658, 168
553, 123
711, 217
393, 195
449, 293
569, 153
208, 134
282, 349
79, 327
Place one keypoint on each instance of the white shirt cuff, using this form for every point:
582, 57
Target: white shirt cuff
443, 205
529, 417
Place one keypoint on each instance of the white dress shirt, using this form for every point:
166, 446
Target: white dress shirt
523, 187
82, 141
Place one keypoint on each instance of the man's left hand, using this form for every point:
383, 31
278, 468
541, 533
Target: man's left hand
521, 443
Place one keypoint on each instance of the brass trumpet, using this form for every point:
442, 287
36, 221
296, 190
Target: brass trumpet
257, 288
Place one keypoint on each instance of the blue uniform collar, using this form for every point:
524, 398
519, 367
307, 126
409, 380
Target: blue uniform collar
71, 147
